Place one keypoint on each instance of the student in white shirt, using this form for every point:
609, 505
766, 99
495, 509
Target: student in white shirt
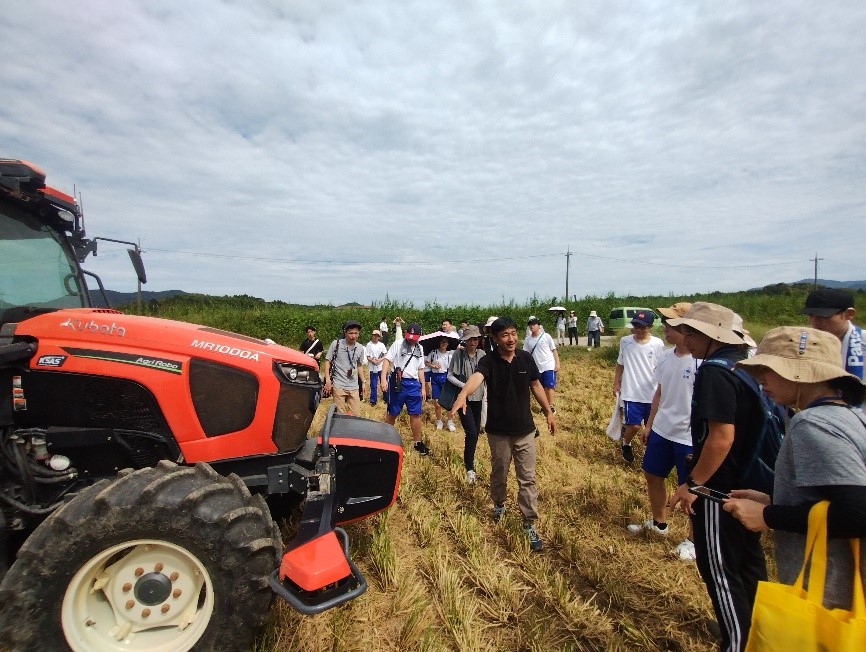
375, 351
406, 383
667, 434
634, 379
438, 361
543, 350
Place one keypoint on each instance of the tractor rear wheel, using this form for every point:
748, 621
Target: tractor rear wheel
160, 559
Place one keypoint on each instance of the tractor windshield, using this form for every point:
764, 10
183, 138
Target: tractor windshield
37, 269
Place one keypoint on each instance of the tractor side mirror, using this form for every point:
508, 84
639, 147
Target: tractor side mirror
138, 264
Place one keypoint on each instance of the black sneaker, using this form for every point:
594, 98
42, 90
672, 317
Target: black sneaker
420, 448
535, 542
627, 453
497, 512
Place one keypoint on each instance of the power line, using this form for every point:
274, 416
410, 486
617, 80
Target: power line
415, 262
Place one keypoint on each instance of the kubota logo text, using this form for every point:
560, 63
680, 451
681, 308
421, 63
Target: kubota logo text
225, 350
94, 327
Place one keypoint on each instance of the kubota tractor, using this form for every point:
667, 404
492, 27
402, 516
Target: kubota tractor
138, 457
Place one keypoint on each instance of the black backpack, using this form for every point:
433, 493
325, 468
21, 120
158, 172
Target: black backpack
758, 471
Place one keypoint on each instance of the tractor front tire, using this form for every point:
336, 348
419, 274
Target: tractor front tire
161, 559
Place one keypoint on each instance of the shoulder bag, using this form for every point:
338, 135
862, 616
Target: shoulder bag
787, 618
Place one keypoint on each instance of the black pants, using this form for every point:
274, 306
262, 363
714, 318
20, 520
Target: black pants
470, 419
731, 563
572, 335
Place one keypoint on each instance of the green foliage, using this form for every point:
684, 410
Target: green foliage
285, 323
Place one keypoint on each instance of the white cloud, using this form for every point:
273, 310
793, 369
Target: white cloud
342, 151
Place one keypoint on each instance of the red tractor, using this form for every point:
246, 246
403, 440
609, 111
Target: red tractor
139, 457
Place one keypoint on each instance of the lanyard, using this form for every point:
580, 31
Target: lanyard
352, 358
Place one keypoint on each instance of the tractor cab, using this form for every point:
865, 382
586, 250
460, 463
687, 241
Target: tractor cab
42, 241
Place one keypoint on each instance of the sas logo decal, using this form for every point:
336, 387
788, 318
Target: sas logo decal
51, 361
79, 326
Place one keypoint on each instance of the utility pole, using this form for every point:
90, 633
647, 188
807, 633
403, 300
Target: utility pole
567, 262
815, 260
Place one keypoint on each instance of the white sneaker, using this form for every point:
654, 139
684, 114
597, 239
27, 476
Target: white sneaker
450, 425
439, 425
648, 526
685, 551
470, 477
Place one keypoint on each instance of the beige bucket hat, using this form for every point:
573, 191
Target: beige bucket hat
801, 355
740, 330
471, 331
676, 311
711, 319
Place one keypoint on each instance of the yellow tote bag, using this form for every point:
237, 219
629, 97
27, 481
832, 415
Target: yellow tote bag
792, 619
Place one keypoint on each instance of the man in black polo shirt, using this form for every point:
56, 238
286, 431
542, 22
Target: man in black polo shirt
726, 417
510, 375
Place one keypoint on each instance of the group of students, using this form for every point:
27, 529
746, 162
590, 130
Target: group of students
693, 411
495, 381
696, 414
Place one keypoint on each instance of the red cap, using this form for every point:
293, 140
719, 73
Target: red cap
413, 332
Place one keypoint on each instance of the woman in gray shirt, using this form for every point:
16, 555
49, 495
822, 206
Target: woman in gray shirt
463, 364
823, 455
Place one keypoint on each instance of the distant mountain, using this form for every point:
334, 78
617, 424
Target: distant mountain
124, 298
807, 283
850, 285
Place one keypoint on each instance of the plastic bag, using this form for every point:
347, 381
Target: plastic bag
614, 427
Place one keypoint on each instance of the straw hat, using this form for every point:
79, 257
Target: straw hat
801, 355
675, 311
711, 319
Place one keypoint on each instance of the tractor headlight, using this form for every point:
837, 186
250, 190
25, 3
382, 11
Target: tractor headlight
298, 374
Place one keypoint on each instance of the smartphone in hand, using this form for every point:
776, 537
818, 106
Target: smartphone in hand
708, 493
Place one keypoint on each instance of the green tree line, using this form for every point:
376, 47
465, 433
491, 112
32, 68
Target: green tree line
285, 322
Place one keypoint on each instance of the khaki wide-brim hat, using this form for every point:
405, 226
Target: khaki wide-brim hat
711, 319
740, 330
471, 331
800, 354
676, 311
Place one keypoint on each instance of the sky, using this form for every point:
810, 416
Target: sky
451, 152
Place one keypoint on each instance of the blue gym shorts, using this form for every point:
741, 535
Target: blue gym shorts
662, 455
634, 413
437, 382
409, 395
547, 379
